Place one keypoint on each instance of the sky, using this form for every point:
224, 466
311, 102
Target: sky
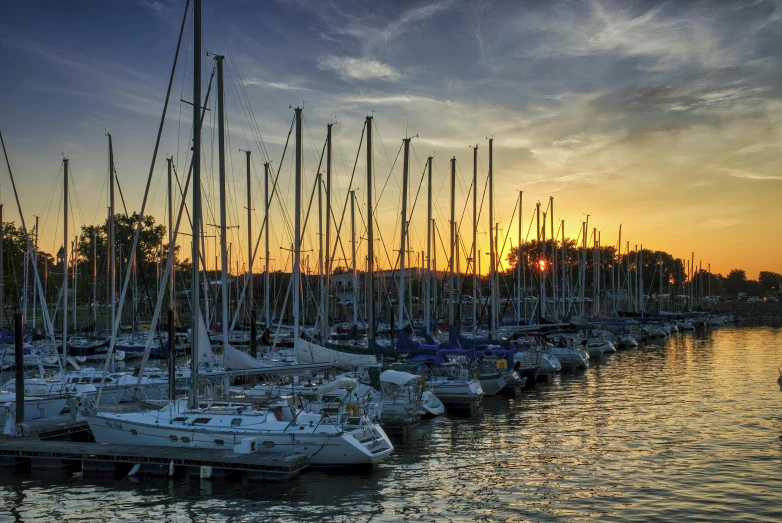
661, 117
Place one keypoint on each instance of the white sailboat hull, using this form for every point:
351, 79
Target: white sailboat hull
34, 408
325, 448
493, 383
571, 359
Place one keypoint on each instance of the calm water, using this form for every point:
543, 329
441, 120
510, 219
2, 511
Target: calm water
690, 429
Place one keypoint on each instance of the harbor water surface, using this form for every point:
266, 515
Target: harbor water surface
687, 429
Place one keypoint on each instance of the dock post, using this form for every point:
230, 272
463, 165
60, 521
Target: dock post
19, 365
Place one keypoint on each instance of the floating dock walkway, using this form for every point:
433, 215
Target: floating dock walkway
95, 457
45, 445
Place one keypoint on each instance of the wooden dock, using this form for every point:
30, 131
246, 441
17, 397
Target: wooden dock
17, 452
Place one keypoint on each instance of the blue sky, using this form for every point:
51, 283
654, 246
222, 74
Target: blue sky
661, 116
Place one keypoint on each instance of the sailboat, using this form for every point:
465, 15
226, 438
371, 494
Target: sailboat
330, 437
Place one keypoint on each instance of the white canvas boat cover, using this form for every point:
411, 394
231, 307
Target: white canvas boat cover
341, 383
234, 359
307, 352
397, 377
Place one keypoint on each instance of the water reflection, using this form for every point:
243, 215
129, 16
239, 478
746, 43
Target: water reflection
684, 429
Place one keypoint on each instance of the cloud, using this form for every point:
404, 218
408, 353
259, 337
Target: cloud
403, 23
751, 175
275, 85
152, 4
358, 68
373, 27
389, 99
665, 37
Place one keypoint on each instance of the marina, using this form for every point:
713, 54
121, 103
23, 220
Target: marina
359, 317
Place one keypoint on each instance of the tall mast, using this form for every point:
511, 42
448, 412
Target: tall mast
370, 239
492, 252
327, 282
65, 263
108, 269
266, 300
171, 246
519, 267
583, 283
223, 225
524, 257
171, 297
451, 260
250, 288
563, 292
581, 270
553, 260
112, 239
75, 246
540, 288
458, 273
598, 270
297, 230
35, 295
403, 236
25, 271
474, 240
595, 282
641, 303
196, 258
543, 268
636, 303
618, 262
429, 232
94, 279
353, 254
322, 323
434, 264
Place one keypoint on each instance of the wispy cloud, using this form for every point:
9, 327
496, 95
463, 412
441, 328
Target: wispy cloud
155, 5
663, 38
372, 29
753, 176
386, 99
358, 68
275, 85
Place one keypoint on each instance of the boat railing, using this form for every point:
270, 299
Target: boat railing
111, 399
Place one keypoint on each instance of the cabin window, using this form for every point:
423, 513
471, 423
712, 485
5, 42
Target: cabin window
219, 442
185, 439
236, 421
180, 418
134, 432
202, 420
268, 444
173, 438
